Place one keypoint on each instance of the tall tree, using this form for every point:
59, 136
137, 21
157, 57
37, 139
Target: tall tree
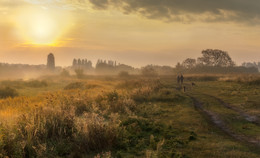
79, 61
74, 62
189, 63
215, 57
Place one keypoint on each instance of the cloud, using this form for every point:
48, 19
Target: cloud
185, 11
63, 4
6, 5
240, 11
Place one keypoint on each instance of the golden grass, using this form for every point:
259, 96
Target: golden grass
89, 120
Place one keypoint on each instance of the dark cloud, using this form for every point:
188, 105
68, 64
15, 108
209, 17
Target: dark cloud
239, 11
245, 11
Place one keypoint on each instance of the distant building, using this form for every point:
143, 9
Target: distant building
51, 62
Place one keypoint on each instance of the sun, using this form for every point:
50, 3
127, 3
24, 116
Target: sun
40, 27
43, 29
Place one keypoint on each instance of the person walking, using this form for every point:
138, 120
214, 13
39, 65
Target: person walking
182, 79
178, 79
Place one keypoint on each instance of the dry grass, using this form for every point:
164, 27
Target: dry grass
110, 118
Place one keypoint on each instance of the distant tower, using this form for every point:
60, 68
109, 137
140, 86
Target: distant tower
51, 62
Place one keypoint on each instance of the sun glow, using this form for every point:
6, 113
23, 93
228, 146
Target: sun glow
42, 26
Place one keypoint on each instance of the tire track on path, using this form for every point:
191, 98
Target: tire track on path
218, 122
249, 118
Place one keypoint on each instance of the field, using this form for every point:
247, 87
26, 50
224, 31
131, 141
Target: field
111, 116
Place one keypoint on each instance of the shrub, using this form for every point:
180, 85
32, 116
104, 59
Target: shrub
137, 134
123, 74
81, 106
254, 82
202, 78
131, 84
112, 96
36, 84
91, 86
14, 84
149, 72
243, 79
79, 73
74, 85
65, 73
8, 92
21, 84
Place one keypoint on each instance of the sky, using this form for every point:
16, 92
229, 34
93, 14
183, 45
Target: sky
133, 32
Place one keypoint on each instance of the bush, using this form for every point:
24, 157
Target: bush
65, 73
74, 85
254, 82
8, 92
91, 86
79, 73
36, 84
149, 72
21, 84
112, 96
202, 78
18, 84
123, 74
137, 133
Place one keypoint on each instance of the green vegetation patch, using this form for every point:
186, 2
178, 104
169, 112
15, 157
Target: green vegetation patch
75, 85
8, 92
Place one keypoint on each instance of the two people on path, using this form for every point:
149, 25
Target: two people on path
180, 79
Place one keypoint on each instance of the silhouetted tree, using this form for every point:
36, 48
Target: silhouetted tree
189, 63
251, 64
74, 62
179, 67
149, 71
79, 61
215, 57
82, 62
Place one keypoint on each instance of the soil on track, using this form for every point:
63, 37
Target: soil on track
218, 122
249, 118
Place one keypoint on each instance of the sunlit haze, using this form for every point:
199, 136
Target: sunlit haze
136, 33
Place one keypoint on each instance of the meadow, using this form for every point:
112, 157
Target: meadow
137, 116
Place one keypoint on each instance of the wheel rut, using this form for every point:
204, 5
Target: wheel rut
248, 117
219, 123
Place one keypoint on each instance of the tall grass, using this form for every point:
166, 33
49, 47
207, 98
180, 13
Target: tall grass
66, 123
103, 119
243, 79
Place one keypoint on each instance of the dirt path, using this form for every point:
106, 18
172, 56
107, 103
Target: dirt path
217, 121
250, 118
